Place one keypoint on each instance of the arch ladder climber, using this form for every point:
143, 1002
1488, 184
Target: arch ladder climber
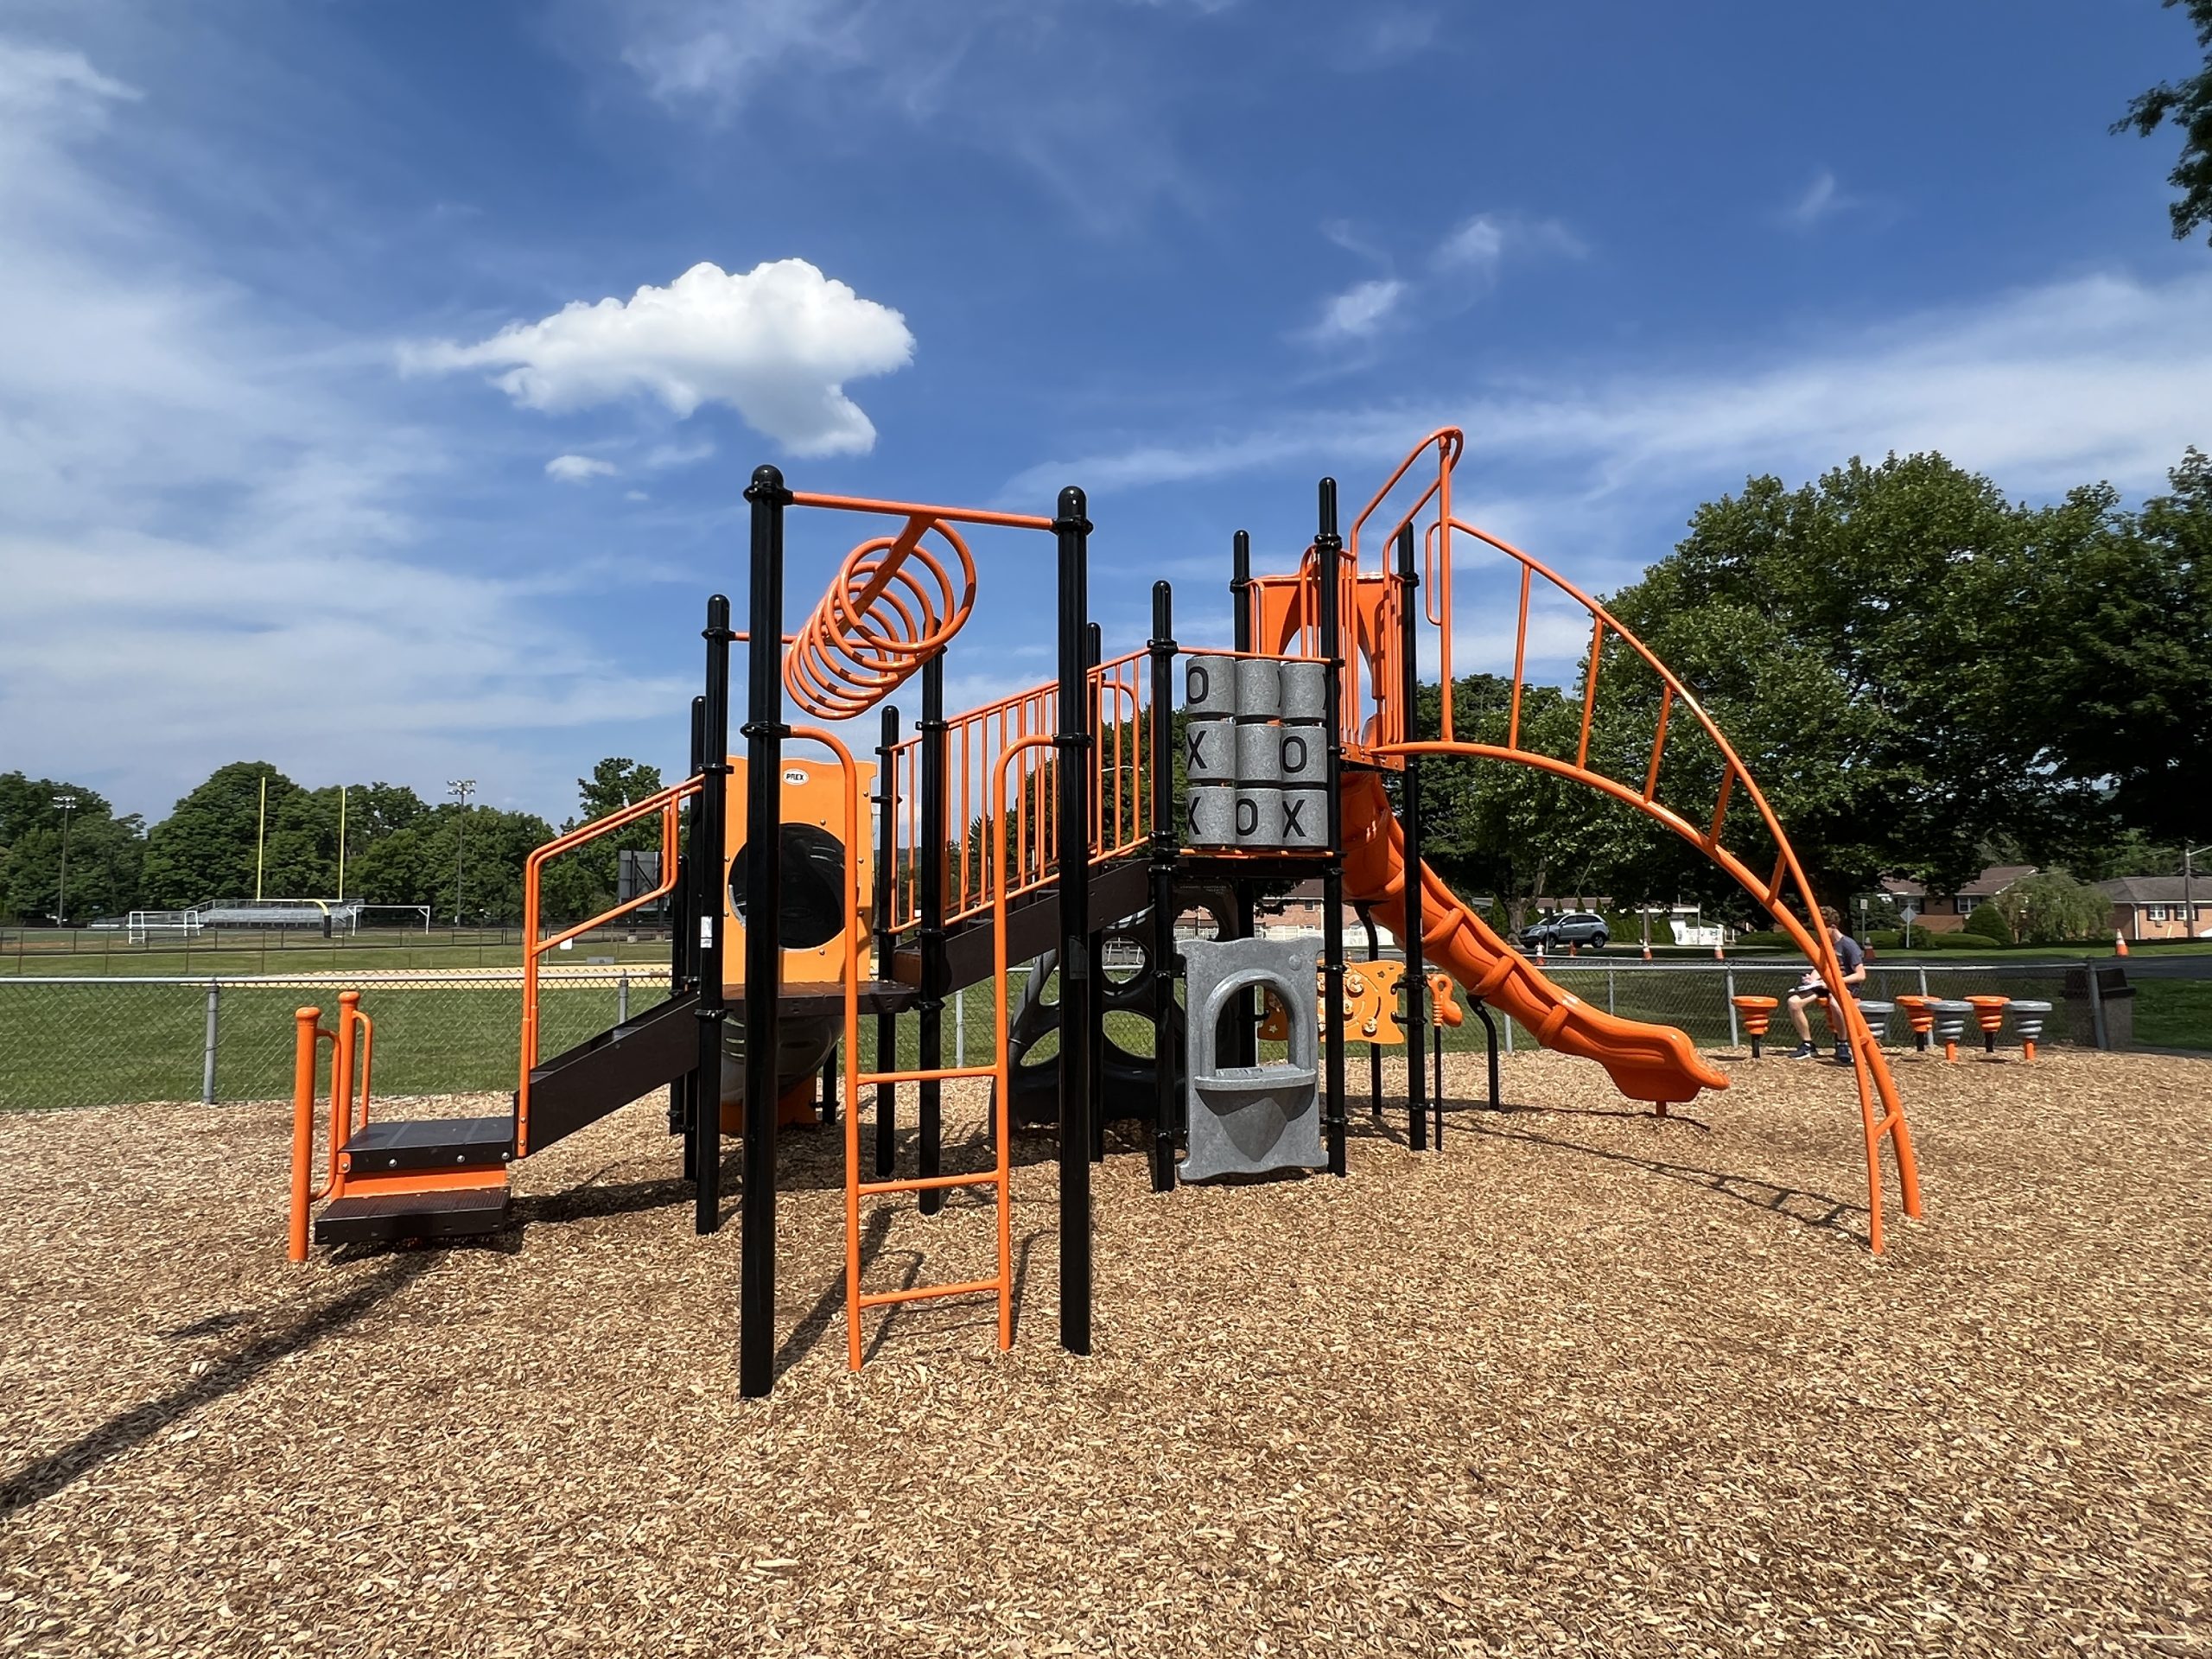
1383, 721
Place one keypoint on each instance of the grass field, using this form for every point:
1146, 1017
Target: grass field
2174, 1013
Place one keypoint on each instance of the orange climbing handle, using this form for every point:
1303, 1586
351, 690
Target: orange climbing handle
349, 1109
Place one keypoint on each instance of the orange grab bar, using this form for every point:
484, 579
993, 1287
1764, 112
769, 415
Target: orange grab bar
666, 803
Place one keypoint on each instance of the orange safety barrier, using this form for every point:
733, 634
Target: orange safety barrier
667, 802
1758, 1013
349, 1112
1989, 1014
1000, 1178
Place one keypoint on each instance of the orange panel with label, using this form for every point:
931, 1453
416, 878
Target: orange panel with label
816, 863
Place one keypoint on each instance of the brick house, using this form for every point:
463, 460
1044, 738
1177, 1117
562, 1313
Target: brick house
2159, 907
1947, 912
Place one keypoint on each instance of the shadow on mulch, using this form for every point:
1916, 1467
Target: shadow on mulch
1801, 1204
45, 1476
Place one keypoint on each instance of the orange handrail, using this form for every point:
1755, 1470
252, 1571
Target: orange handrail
666, 803
349, 1113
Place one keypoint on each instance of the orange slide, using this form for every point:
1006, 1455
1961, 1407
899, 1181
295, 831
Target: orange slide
1655, 1063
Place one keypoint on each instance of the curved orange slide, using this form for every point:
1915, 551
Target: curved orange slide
1655, 1063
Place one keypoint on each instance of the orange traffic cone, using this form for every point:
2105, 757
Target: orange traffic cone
1647, 953
1718, 956
2120, 941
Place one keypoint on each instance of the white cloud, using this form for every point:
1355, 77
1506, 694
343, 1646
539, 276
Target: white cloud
1390, 33
1357, 312
776, 343
1821, 199
578, 469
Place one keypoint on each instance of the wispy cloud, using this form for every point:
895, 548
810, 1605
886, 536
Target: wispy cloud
1387, 34
579, 469
987, 76
209, 521
2101, 376
1359, 313
1819, 201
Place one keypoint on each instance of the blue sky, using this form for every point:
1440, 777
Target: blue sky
305, 457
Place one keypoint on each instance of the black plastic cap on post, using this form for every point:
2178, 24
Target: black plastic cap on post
767, 483
1073, 512
1328, 506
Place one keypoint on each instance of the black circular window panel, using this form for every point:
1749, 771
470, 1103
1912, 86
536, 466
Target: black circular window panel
813, 908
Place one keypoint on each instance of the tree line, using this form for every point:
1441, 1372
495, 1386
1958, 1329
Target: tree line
399, 848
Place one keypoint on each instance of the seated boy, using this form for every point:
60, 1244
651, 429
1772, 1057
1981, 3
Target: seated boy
1852, 960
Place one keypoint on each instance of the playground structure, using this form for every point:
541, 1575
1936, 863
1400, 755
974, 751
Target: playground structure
1034, 828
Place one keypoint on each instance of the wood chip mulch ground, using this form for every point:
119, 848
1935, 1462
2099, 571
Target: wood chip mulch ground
1591, 1381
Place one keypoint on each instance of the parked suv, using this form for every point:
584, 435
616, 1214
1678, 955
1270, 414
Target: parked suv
1583, 927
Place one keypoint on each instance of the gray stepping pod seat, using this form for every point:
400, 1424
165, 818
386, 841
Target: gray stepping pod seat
1251, 1120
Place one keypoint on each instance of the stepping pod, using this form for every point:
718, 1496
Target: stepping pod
2027, 1023
1757, 1012
1989, 1014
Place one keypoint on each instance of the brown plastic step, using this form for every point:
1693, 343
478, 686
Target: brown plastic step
456, 1213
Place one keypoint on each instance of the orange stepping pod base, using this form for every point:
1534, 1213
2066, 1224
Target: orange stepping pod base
1989, 1014
1757, 1012
1920, 1014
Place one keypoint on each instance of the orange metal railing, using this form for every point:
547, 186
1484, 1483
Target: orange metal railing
349, 1109
668, 803
1027, 829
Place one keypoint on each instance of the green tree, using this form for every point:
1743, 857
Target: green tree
416, 865
2115, 668
106, 853
1863, 642
2053, 908
2189, 104
204, 848
1517, 830
1989, 922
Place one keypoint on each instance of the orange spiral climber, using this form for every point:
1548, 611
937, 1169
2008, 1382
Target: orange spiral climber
891, 605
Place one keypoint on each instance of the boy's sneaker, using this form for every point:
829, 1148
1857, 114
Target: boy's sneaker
1804, 1052
1843, 1053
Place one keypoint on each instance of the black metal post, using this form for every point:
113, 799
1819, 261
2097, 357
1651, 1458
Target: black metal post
1374, 1050
887, 1025
1415, 920
684, 908
1243, 1047
929, 1007
765, 732
1072, 744
1240, 589
1166, 1097
1489, 1026
1329, 548
708, 887
829, 1086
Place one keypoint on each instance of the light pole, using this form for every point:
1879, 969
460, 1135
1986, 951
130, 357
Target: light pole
461, 789
69, 804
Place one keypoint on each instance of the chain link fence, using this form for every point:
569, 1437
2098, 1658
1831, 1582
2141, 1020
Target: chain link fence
95, 1042
1697, 997
104, 1041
